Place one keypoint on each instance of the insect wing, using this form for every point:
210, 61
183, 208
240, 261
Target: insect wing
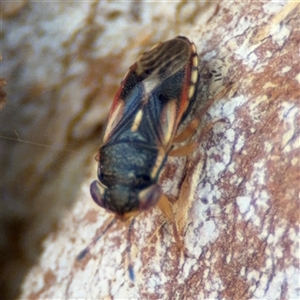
124, 102
156, 92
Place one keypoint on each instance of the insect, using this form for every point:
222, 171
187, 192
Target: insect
154, 98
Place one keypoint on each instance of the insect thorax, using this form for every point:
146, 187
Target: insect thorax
127, 163
126, 168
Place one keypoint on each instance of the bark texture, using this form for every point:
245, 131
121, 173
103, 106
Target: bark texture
236, 199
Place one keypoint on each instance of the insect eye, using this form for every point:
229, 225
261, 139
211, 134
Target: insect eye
149, 197
97, 192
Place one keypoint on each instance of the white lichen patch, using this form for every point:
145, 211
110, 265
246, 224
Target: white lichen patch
215, 285
239, 143
293, 235
231, 105
259, 172
268, 146
256, 198
243, 203
215, 169
189, 265
285, 70
245, 53
243, 25
201, 231
280, 34
272, 7
263, 198
270, 290
232, 169
291, 275
230, 135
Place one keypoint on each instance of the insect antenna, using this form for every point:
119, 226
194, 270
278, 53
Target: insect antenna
18, 139
84, 252
128, 249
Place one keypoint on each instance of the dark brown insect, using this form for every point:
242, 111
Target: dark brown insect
154, 98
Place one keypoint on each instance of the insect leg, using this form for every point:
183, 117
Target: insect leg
184, 150
194, 124
189, 130
165, 206
190, 148
192, 127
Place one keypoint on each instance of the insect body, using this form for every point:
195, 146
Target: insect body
155, 96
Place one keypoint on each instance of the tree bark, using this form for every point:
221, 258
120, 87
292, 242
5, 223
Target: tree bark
235, 200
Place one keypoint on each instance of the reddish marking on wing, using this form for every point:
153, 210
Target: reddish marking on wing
123, 84
115, 116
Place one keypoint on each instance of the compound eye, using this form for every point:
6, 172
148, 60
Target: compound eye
149, 197
97, 192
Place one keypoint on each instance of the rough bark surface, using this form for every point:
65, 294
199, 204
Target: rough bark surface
236, 199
